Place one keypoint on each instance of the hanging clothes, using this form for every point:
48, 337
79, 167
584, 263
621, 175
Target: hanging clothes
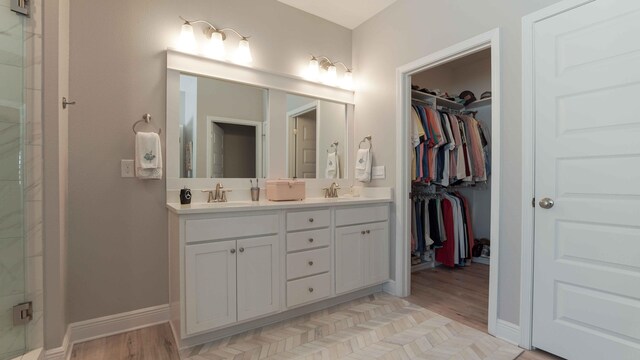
447, 149
442, 223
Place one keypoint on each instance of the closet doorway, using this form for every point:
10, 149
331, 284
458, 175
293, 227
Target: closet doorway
448, 181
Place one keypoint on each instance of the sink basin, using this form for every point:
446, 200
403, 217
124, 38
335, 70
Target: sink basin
229, 204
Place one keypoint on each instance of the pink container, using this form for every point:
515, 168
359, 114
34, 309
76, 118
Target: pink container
285, 190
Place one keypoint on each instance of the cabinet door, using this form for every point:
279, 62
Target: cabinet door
350, 256
258, 276
376, 240
210, 280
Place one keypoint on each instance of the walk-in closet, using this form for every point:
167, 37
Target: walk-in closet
450, 141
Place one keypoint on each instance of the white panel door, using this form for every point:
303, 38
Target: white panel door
306, 146
350, 257
258, 276
587, 245
210, 285
376, 241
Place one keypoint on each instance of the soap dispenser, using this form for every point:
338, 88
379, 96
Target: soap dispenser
185, 196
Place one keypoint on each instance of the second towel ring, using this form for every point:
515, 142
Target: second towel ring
146, 118
364, 141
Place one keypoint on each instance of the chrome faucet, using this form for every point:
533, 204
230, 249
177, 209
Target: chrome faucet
331, 191
217, 195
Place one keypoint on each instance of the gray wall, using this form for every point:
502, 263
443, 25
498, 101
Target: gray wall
411, 29
117, 227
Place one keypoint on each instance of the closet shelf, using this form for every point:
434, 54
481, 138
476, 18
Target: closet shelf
439, 101
479, 103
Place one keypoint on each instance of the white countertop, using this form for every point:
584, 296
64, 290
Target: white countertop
239, 206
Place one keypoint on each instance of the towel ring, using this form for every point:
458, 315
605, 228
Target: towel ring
364, 141
146, 118
333, 146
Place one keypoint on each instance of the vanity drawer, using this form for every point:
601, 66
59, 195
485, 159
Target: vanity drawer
308, 289
362, 215
303, 220
308, 239
308, 263
231, 227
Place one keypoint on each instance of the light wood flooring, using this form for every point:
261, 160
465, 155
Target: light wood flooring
457, 294
461, 294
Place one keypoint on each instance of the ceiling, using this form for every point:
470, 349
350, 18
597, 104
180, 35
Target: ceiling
348, 13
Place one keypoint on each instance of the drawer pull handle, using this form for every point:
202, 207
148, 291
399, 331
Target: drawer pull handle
233, 251
311, 240
310, 290
241, 249
310, 263
310, 220
368, 231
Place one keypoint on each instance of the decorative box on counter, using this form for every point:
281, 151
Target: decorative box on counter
285, 190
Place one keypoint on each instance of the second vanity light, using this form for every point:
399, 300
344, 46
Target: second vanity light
215, 41
324, 70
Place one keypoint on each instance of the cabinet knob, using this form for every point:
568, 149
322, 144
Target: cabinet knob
310, 263
310, 220
362, 232
310, 240
310, 290
241, 249
233, 251
368, 231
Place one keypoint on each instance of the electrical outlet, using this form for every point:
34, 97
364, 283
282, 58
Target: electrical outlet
126, 168
378, 173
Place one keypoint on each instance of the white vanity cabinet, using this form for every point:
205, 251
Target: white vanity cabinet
308, 256
362, 247
233, 270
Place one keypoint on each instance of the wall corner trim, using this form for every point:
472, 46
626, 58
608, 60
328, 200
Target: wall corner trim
108, 325
507, 331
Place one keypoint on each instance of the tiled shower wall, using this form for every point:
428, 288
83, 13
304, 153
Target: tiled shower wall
20, 176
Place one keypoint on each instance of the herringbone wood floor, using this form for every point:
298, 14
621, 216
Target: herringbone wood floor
157, 343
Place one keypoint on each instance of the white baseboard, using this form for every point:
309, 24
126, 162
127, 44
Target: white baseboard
508, 331
61, 353
108, 325
390, 287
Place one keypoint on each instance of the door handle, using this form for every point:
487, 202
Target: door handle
65, 102
547, 203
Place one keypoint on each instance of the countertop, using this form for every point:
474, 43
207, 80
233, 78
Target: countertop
240, 206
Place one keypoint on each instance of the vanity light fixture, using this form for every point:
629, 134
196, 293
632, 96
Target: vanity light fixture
322, 69
215, 45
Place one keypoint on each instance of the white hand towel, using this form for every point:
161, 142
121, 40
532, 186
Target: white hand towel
148, 156
363, 165
333, 166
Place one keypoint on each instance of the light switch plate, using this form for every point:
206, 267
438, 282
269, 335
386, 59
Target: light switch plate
126, 168
378, 172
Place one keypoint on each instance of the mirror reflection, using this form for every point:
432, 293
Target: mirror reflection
221, 129
316, 138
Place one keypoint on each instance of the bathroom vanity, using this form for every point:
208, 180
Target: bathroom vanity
236, 266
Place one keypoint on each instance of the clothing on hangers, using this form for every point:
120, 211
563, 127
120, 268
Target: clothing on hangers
447, 148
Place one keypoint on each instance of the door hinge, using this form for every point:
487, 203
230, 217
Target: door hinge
22, 313
533, 202
20, 6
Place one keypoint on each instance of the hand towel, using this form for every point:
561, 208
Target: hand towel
148, 156
333, 166
363, 165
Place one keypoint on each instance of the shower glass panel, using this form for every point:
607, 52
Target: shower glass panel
12, 180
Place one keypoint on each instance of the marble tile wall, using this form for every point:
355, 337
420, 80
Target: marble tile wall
21, 239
